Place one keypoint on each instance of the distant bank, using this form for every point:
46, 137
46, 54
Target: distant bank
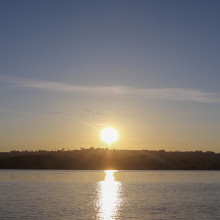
103, 159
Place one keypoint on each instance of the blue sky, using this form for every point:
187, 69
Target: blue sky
152, 67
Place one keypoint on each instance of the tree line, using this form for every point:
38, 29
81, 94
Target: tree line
103, 159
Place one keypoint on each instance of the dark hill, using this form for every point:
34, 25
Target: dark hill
102, 159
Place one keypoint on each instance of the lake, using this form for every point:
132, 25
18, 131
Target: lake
53, 195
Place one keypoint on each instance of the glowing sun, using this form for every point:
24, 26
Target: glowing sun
109, 135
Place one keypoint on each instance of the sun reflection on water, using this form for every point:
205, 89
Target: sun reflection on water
109, 197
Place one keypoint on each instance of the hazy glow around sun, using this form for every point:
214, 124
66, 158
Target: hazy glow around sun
109, 135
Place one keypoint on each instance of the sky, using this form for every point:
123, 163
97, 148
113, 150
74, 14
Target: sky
149, 68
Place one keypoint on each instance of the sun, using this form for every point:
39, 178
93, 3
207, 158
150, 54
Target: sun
109, 135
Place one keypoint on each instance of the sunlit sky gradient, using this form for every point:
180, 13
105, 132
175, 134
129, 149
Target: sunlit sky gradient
148, 68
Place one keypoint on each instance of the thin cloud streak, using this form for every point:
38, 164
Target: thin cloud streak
170, 94
18, 112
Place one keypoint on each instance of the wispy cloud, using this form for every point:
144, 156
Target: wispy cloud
17, 112
171, 94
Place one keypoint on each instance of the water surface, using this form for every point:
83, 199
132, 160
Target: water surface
109, 195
